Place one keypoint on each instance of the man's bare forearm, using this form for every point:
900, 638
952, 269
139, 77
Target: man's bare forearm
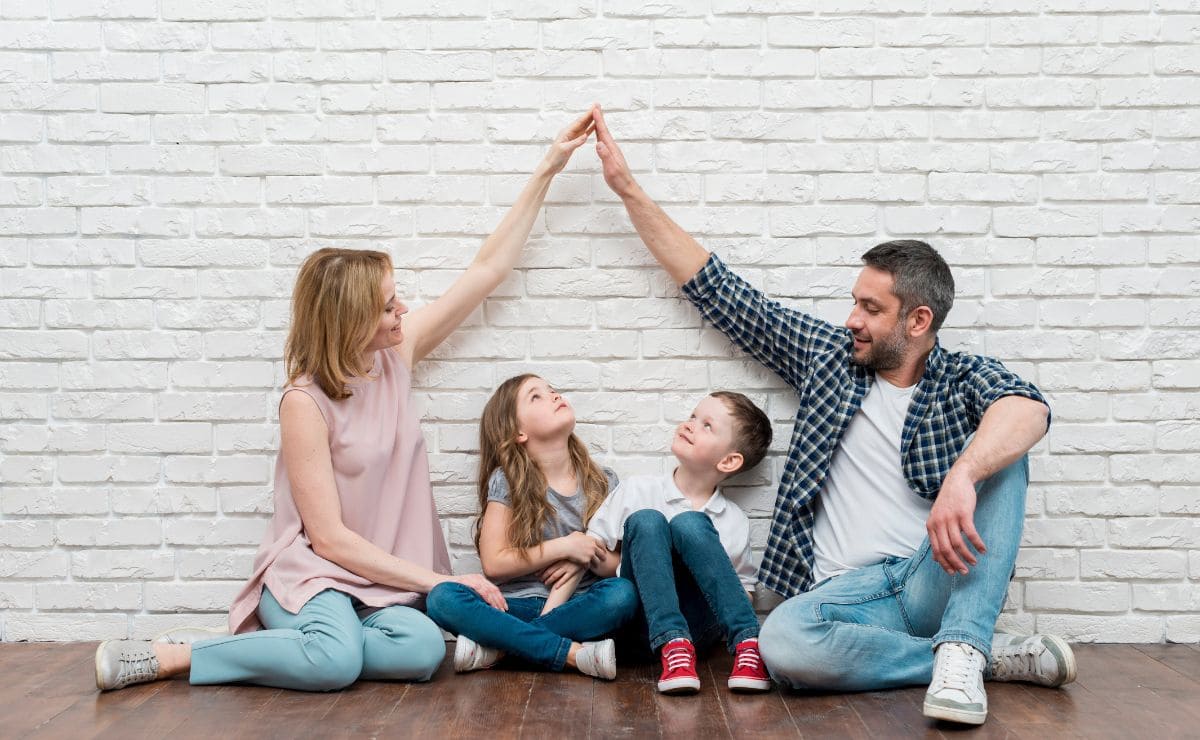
679, 254
1009, 428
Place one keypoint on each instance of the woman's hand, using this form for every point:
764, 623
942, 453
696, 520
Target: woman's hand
568, 140
580, 549
485, 588
559, 573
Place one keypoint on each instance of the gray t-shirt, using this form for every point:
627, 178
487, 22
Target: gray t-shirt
568, 518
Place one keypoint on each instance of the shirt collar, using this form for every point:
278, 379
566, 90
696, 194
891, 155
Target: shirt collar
715, 503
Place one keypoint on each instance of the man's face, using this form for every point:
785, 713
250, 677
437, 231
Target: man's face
880, 336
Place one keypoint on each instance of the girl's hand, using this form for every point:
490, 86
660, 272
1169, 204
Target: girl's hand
568, 140
581, 549
560, 572
485, 588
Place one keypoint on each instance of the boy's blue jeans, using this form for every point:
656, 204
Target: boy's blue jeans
522, 631
877, 627
686, 583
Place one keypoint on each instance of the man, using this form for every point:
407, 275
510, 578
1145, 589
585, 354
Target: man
900, 509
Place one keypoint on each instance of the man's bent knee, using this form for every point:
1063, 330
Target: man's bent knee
791, 647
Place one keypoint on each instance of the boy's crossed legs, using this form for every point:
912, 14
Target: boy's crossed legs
666, 562
879, 627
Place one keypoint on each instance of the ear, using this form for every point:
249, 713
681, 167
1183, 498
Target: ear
731, 463
522, 438
919, 321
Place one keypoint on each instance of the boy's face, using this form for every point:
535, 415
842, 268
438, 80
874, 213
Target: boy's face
706, 438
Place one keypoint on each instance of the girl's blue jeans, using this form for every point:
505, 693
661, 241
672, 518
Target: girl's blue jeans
877, 627
523, 631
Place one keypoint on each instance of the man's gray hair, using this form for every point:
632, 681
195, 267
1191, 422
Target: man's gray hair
922, 277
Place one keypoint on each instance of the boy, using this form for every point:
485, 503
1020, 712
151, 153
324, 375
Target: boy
687, 548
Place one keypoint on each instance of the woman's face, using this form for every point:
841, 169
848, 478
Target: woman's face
388, 333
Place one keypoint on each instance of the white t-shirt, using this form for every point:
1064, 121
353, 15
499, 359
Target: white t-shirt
866, 511
660, 493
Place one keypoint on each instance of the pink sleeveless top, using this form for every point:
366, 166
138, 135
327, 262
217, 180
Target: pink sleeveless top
382, 476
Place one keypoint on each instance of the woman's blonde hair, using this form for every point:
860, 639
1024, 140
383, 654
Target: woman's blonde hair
499, 449
336, 306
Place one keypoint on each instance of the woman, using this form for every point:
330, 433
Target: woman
354, 542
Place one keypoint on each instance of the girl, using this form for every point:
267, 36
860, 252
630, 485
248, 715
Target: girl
354, 542
538, 487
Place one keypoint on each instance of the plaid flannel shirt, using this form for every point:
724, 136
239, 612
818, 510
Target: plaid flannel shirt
813, 357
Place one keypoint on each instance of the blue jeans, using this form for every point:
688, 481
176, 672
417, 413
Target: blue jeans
876, 627
668, 561
522, 631
324, 647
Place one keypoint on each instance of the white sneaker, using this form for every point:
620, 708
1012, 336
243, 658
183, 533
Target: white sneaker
121, 663
956, 692
189, 635
1046, 660
597, 659
471, 656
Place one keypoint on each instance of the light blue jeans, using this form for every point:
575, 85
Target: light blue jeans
325, 647
876, 627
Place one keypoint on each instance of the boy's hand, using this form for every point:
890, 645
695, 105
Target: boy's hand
581, 549
559, 573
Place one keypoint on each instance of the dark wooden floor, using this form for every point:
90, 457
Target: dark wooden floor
1123, 691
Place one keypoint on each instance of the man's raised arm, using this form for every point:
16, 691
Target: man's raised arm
679, 254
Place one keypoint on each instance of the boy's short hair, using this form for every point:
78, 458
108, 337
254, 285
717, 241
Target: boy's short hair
752, 429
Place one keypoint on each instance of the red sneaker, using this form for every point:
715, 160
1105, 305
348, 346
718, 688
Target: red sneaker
679, 668
749, 673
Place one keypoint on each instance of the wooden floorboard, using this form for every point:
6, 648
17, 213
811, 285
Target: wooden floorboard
1123, 691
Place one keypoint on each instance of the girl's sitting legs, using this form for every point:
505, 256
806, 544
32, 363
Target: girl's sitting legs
522, 632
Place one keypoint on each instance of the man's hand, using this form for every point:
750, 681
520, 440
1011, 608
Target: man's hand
952, 519
616, 169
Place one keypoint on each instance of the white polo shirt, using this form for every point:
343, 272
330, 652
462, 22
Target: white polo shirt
659, 492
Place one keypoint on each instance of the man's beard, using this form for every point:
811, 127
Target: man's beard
886, 353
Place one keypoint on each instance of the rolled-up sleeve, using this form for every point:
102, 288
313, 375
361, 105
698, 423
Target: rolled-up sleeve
988, 380
782, 339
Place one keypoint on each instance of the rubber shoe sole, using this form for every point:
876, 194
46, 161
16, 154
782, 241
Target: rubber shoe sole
935, 709
1065, 654
954, 713
679, 686
99, 672
748, 685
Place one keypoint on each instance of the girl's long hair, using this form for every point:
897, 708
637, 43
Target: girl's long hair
336, 306
499, 449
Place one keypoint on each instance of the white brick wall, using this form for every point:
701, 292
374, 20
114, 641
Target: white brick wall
165, 165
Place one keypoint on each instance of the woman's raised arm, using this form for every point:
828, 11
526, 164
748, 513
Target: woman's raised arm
426, 327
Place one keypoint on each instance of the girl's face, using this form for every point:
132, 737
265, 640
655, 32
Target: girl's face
542, 412
388, 332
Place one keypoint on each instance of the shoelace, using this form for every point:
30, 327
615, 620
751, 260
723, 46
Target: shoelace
677, 658
138, 666
1020, 661
955, 671
748, 657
